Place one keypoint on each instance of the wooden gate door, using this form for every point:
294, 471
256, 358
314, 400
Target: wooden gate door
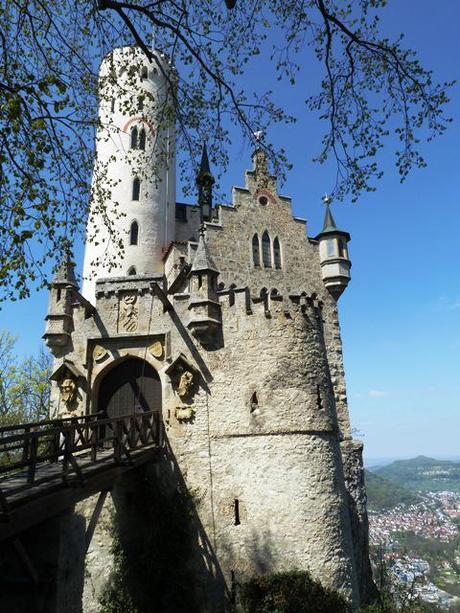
129, 388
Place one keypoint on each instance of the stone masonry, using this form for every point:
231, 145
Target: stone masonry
260, 439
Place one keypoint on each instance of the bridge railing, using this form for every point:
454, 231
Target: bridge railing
36, 453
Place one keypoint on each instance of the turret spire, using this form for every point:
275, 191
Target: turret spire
205, 181
333, 251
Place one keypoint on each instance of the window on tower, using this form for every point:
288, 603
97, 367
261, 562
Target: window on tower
266, 250
134, 234
134, 138
136, 188
112, 105
132, 271
342, 248
144, 73
140, 104
142, 139
255, 250
277, 252
330, 247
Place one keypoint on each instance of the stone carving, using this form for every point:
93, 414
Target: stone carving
156, 349
185, 413
186, 383
100, 353
129, 312
68, 389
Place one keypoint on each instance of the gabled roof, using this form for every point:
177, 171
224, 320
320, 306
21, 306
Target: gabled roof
203, 260
66, 366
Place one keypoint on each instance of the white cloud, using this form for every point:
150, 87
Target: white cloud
376, 393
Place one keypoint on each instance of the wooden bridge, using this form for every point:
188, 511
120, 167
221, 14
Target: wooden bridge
48, 466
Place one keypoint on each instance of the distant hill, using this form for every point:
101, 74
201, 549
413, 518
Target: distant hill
383, 494
423, 473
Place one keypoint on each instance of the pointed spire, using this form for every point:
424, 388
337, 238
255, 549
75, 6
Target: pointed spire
205, 181
65, 271
205, 171
329, 223
203, 260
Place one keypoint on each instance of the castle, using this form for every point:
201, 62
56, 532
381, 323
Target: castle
225, 319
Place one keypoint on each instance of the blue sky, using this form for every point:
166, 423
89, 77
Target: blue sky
400, 314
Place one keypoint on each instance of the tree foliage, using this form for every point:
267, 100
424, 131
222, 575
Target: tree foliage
50, 51
24, 384
290, 592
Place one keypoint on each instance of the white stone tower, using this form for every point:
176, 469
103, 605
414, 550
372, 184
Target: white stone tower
132, 211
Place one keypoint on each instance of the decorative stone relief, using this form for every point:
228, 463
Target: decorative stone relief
68, 389
100, 353
156, 349
186, 384
129, 312
185, 413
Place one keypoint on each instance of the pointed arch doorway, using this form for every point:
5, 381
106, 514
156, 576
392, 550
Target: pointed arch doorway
130, 387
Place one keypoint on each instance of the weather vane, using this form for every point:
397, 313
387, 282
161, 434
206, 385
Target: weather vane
326, 199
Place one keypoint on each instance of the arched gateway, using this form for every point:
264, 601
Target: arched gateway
130, 387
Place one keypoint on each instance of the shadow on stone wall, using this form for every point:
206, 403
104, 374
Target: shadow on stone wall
55, 551
164, 560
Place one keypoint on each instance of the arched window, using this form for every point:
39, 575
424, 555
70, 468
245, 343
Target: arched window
255, 250
134, 233
264, 292
134, 139
330, 247
266, 250
142, 139
274, 293
136, 189
144, 72
277, 252
132, 270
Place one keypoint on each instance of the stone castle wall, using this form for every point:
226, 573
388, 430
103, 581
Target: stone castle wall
264, 451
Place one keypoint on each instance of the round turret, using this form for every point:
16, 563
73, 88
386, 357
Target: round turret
333, 254
132, 210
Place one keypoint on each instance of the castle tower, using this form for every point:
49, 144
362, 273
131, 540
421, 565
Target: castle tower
333, 254
59, 321
131, 219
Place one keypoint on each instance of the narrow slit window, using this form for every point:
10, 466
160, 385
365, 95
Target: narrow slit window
277, 253
112, 106
136, 189
134, 233
237, 512
254, 402
140, 103
266, 250
142, 139
255, 250
144, 73
134, 138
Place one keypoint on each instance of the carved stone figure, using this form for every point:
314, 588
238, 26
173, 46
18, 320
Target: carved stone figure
68, 389
129, 313
185, 384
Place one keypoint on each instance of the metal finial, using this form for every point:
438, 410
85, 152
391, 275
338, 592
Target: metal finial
326, 199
